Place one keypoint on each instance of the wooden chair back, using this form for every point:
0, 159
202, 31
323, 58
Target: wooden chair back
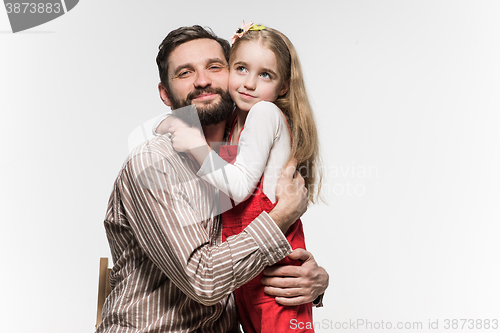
104, 288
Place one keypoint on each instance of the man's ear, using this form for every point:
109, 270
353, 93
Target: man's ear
284, 88
164, 94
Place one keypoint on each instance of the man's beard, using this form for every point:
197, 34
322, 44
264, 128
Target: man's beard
209, 114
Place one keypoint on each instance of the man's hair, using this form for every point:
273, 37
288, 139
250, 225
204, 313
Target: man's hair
180, 36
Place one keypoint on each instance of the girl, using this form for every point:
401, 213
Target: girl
273, 118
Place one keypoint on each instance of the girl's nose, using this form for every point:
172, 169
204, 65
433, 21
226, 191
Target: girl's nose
250, 83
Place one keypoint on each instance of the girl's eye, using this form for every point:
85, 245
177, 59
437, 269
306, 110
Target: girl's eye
241, 69
266, 75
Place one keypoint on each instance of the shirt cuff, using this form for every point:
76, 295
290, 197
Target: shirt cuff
318, 302
269, 238
158, 122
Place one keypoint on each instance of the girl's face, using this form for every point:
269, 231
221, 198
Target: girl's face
253, 76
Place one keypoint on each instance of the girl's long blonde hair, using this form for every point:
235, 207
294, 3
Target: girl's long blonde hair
294, 104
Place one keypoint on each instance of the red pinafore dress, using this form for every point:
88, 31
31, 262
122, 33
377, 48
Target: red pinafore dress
257, 311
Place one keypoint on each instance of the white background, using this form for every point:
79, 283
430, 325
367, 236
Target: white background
406, 95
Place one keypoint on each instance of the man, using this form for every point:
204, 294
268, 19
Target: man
171, 272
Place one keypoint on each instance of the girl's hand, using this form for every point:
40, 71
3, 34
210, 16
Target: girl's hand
167, 123
185, 139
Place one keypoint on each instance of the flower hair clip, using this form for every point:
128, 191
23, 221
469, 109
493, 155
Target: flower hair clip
244, 28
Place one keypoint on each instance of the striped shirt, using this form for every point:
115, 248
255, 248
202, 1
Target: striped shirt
171, 272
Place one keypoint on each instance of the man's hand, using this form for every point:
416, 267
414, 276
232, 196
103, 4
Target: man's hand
295, 285
292, 197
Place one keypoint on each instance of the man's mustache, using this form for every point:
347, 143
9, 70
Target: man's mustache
208, 90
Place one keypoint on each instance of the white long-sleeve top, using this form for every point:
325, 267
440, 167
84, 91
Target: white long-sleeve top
263, 149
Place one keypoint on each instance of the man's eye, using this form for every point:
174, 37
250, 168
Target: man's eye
183, 73
215, 67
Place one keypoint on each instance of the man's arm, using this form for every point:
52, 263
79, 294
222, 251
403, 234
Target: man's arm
294, 285
178, 242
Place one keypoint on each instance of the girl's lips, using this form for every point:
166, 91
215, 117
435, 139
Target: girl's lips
246, 96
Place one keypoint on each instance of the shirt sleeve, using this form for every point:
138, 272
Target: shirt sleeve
239, 180
173, 236
158, 122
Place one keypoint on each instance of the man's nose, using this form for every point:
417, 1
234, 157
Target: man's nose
202, 79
